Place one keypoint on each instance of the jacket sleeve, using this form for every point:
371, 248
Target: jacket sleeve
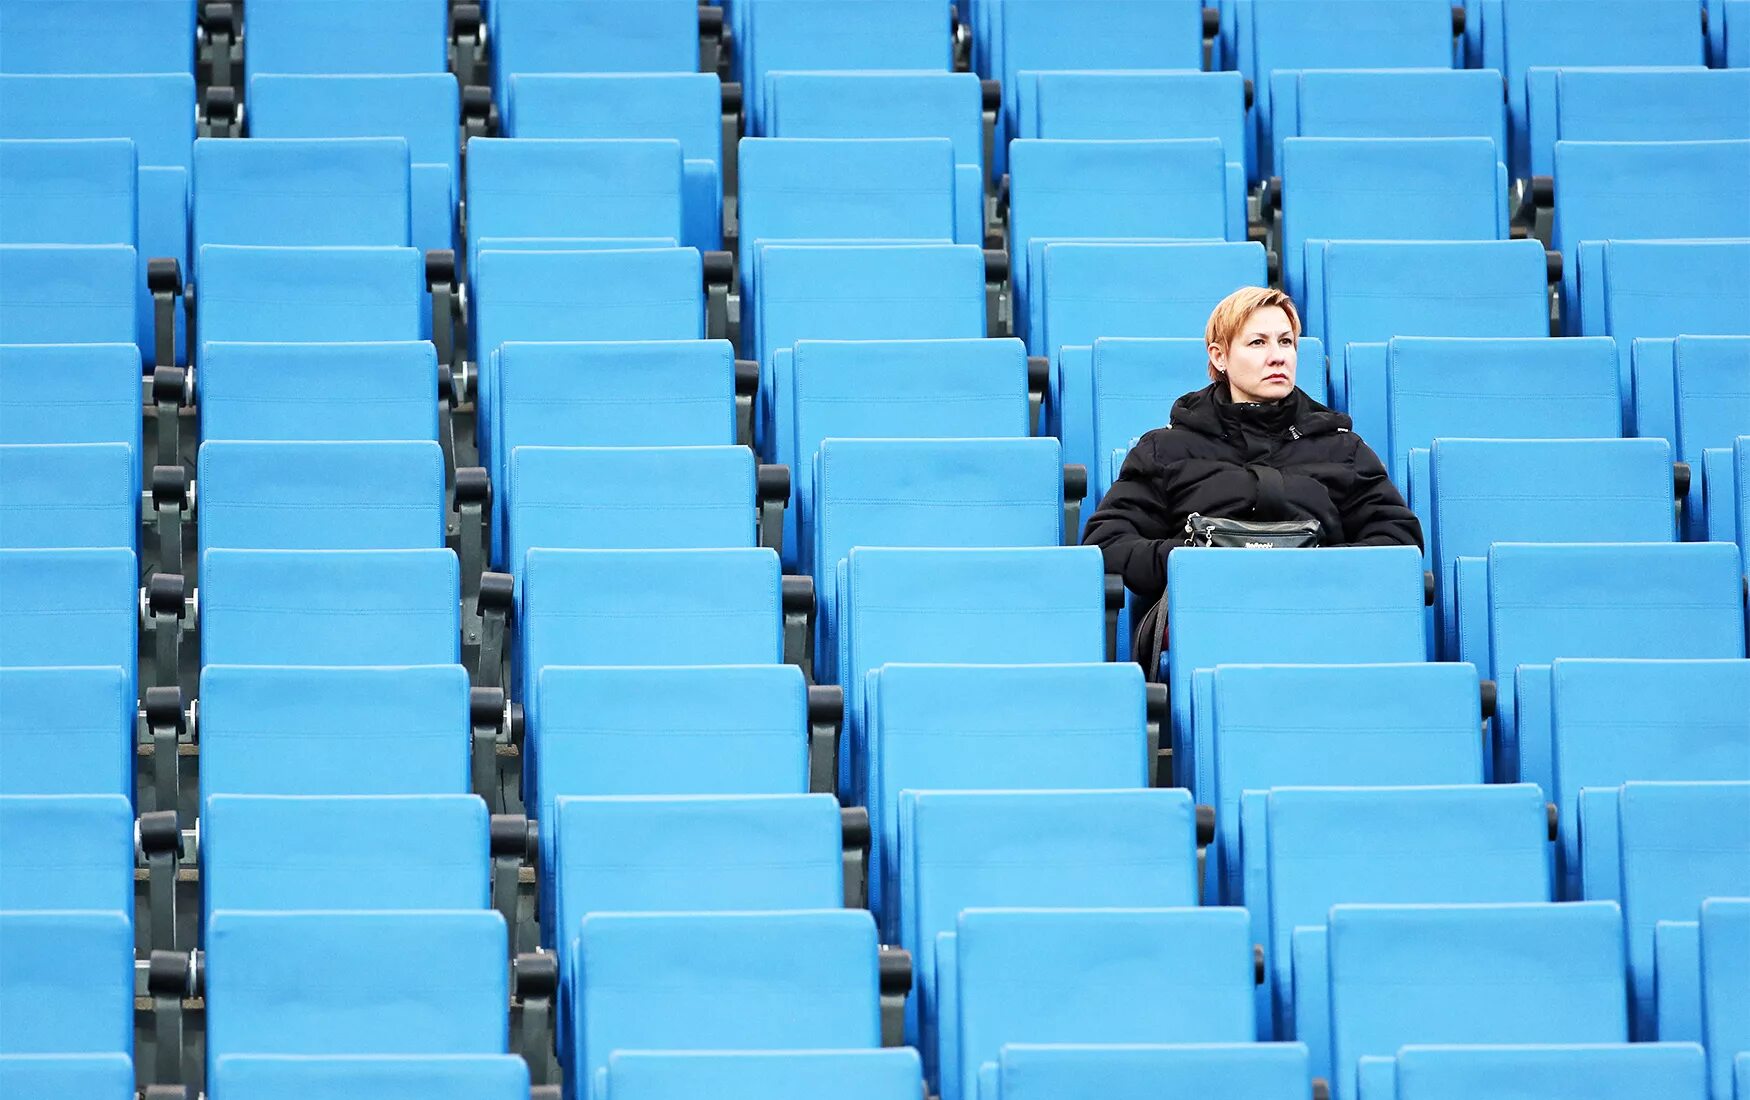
1374, 513
1131, 524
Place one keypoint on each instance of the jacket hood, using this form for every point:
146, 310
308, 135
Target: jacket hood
1210, 411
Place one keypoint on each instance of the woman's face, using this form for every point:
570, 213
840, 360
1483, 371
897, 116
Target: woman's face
1260, 362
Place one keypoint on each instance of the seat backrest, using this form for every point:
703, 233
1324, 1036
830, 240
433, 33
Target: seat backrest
269, 852
1725, 959
649, 393
67, 731
613, 36
423, 108
296, 730
1386, 103
1633, 104
69, 495
382, 390
311, 295
604, 295
1604, 1071
378, 495
288, 983
302, 192
66, 852
748, 1075
330, 607
723, 981
1134, 1071
70, 393
1093, 290
68, 295
1093, 975
1413, 973
76, 191
1713, 392
1529, 388
1100, 105
391, 36
96, 36
69, 982
156, 111
879, 105
684, 107
110, 1076
64, 607
630, 498
429, 1077
887, 34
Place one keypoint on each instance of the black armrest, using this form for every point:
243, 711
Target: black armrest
894, 977
719, 273
1457, 20
1156, 714
798, 607
165, 610
490, 723
1487, 691
497, 608
220, 108
479, 113
1427, 588
1115, 596
771, 497
826, 712
1205, 825
992, 93
1211, 22
160, 837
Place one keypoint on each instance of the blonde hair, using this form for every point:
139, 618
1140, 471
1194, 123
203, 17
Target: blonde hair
1232, 312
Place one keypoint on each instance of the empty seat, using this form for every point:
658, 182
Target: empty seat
1135, 1071
330, 607
1410, 974
1444, 189
290, 983
321, 496
301, 193
67, 731
70, 393
52, 294
66, 852
1604, 1071
421, 106
1126, 106
334, 731
80, 191
1713, 408
95, 36
1699, 184
69, 495
1725, 959
1308, 849
1597, 600
84, 1076
69, 985
65, 607
645, 393
428, 1077
1734, 17
684, 107
1090, 975
367, 391
1632, 104
722, 982
1595, 490
1329, 101
310, 295
747, 1075
1264, 726
402, 36
613, 36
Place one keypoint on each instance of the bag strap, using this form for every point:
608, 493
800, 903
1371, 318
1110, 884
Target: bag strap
1272, 500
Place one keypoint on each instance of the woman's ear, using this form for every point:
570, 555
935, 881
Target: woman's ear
1218, 358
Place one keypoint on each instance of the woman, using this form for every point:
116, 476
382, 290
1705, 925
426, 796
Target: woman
1206, 460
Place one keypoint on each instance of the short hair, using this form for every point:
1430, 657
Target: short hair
1232, 312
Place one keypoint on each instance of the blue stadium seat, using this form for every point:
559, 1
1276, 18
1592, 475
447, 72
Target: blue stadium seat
1408, 974
961, 850
297, 730
1138, 1071
1515, 36
310, 295
1369, 292
1600, 600
330, 607
377, 495
68, 295
749, 1075
1093, 975
76, 191
648, 393
290, 983
71, 1076
96, 36
1264, 726
1443, 189
67, 852
1643, 849
69, 982
428, 1077
397, 36
1604, 1071
300, 192
722, 982
1725, 959
610, 36
1615, 721
424, 109
1113, 189
1128, 106
62, 608
1734, 19
265, 853
1310, 848
369, 390
67, 731
1285, 38
997, 727
1698, 183
1350, 605
1632, 104
1386, 103
891, 389
69, 495
684, 107
1677, 980
892, 105
1712, 403
1589, 490
70, 393
1005, 606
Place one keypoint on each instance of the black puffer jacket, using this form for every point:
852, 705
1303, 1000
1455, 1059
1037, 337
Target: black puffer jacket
1198, 464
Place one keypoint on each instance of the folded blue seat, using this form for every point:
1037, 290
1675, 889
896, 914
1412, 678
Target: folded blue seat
386, 37
69, 982
67, 852
69, 495
749, 1075
370, 390
386, 1076
67, 731
75, 294
70, 1076
1394, 102
301, 192
1138, 1071
96, 36
1605, 1071
1638, 103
